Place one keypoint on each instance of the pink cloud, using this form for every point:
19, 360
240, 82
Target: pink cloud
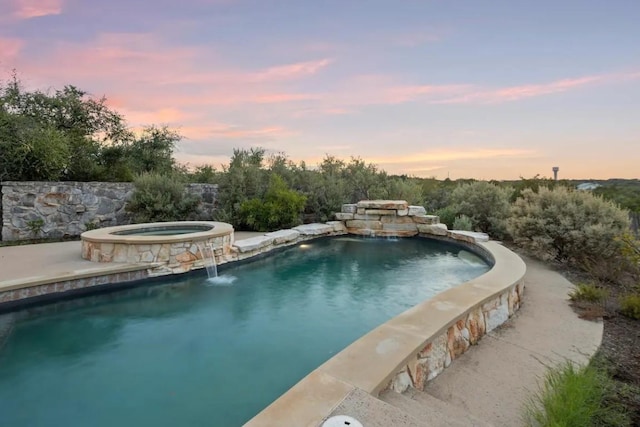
274, 98
515, 93
142, 73
444, 155
168, 116
474, 94
27, 9
198, 132
401, 94
289, 71
323, 111
236, 132
10, 48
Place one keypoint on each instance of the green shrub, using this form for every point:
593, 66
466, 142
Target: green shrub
568, 226
486, 204
159, 198
447, 215
463, 222
573, 396
402, 188
92, 225
589, 293
35, 226
281, 208
630, 249
243, 179
630, 306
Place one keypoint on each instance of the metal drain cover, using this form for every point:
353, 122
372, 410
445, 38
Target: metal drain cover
342, 421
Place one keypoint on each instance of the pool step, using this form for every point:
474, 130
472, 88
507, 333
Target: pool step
373, 412
430, 410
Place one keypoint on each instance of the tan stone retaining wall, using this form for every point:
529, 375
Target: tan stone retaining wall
66, 209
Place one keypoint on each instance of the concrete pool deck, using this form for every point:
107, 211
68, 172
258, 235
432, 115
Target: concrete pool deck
485, 386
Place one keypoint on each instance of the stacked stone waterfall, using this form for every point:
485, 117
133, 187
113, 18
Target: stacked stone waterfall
389, 218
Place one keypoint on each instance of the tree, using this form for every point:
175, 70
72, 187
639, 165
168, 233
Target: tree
364, 181
279, 208
205, 174
30, 151
68, 135
243, 179
152, 150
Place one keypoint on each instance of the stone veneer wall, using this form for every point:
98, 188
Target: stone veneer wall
67, 208
167, 258
438, 353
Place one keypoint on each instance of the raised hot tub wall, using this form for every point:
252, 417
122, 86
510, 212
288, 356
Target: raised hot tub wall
167, 254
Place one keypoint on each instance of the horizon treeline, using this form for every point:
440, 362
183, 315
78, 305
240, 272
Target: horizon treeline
68, 135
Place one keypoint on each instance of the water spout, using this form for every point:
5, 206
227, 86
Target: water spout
211, 267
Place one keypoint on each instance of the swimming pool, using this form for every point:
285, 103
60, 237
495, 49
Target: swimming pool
185, 352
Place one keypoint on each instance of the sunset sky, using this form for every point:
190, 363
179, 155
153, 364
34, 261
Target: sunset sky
493, 89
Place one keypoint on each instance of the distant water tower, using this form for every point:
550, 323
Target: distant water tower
555, 170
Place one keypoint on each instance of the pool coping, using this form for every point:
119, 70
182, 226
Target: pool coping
410, 349
106, 235
85, 273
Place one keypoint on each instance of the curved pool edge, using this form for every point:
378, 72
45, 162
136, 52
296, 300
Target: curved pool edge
410, 349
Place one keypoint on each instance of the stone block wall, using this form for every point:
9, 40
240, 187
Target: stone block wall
253, 246
386, 218
438, 353
66, 209
395, 218
208, 195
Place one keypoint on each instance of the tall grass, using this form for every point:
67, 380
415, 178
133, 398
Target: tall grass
630, 306
589, 293
573, 396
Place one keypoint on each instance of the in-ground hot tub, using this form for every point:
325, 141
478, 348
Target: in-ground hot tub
172, 247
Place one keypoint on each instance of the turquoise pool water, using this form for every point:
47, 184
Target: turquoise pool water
189, 353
